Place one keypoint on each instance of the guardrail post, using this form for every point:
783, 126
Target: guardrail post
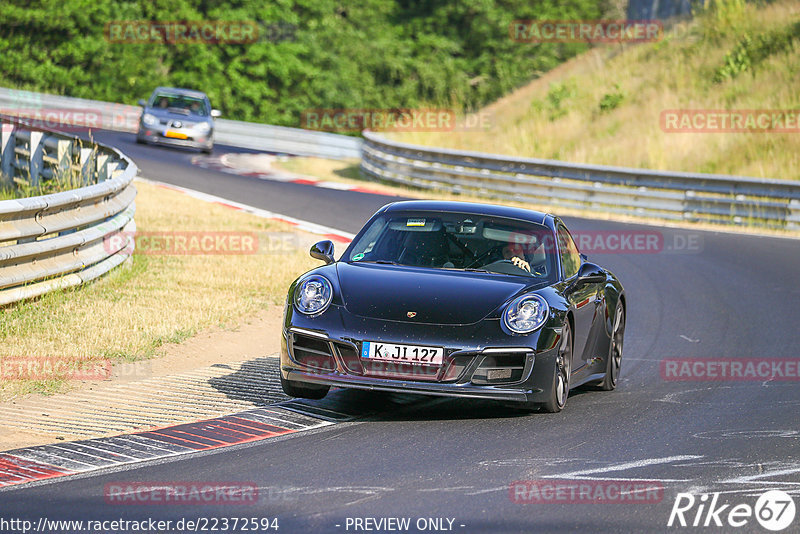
111, 168
793, 218
64, 156
87, 165
102, 167
6, 151
37, 152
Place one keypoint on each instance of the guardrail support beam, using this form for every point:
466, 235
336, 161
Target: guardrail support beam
793, 218
87, 165
37, 153
6, 151
64, 156
102, 167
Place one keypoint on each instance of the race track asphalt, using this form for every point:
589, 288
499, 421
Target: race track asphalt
730, 296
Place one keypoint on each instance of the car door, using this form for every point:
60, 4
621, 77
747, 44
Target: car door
582, 297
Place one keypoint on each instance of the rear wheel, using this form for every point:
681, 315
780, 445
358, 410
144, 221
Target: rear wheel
614, 360
559, 390
293, 389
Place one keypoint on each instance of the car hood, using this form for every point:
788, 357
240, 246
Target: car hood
392, 292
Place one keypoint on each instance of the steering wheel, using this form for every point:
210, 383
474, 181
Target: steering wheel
502, 266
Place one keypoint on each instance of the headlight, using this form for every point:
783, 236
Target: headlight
313, 295
202, 127
526, 314
149, 120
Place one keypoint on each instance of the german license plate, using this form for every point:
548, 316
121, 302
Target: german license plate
376, 350
175, 135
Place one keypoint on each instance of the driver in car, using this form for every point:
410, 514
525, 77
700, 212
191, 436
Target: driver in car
516, 254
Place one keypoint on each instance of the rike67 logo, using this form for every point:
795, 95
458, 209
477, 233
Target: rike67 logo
774, 510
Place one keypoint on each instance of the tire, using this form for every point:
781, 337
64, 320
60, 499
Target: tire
208, 150
140, 141
559, 390
614, 359
304, 392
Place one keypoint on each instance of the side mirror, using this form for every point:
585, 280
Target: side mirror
142, 102
216, 113
589, 273
322, 251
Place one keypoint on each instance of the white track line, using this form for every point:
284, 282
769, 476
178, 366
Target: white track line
623, 466
753, 478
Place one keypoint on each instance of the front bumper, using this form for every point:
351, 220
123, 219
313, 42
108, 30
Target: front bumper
515, 369
192, 138
403, 386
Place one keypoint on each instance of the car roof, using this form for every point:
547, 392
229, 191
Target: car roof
469, 207
180, 91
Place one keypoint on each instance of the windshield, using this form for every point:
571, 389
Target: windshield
457, 241
180, 104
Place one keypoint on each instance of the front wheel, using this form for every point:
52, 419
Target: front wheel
614, 359
293, 389
559, 390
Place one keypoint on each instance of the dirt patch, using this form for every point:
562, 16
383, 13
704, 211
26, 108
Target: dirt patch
256, 337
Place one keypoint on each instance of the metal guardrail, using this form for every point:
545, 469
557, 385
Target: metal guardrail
295, 141
62, 239
125, 118
627, 191
638, 192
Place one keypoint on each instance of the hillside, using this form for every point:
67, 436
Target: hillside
605, 106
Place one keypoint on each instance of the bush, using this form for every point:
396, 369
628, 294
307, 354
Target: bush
611, 101
749, 51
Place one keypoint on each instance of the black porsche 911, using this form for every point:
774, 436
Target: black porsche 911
455, 299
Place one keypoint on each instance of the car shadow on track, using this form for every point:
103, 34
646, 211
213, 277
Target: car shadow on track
257, 381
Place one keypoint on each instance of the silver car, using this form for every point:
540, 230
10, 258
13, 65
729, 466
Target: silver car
179, 117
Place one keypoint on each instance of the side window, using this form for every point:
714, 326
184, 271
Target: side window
568, 252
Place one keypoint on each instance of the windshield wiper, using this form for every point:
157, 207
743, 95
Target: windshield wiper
381, 262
